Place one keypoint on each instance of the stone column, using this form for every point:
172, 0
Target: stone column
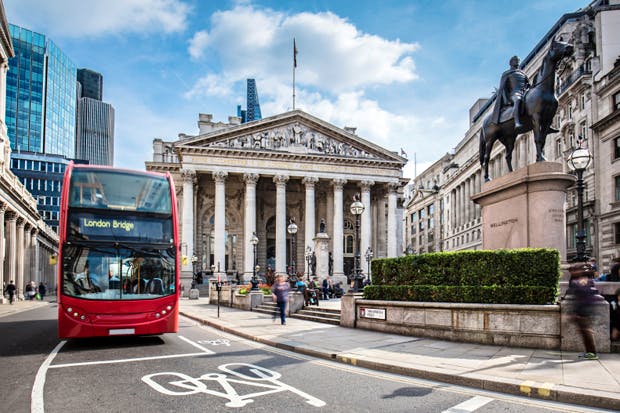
365, 230
250, 223
28, 274
468, 202
11, 249
280, 181
391, 224
34, 255
338, 230
452, 209
219, 239
187, 223
310, 182
3, 280
19, 253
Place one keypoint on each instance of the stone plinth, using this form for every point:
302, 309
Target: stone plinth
526, 208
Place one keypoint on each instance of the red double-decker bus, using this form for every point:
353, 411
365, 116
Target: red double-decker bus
118, 257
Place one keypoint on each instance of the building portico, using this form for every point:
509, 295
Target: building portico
254, 178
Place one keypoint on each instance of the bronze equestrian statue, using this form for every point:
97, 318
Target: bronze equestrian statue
520, 108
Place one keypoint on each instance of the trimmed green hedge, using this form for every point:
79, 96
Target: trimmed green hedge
518, 276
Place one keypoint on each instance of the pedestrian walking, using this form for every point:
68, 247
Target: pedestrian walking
280, 292
581, 286
11, 291
42, 290
615, 315
29, 291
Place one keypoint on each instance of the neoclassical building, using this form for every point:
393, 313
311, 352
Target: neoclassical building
440, 214
26, 242
234, 180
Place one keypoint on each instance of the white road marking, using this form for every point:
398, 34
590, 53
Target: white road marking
218, 342
36, 396
92, 363
470, 405
260, 380
198, 346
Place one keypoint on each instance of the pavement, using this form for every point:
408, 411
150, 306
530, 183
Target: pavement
543, 374
23, 305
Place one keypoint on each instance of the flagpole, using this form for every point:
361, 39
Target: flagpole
294, 67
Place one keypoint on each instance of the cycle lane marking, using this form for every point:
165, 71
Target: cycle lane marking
36, 396
263, 380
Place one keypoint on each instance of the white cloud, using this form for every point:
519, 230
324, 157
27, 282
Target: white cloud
198, 44
337, 66
333, 56
75, 18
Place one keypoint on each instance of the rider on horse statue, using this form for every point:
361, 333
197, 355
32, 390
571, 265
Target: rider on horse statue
512, 87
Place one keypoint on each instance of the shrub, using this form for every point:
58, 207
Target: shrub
519, 276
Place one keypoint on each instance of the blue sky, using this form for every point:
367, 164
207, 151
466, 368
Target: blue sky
405, 73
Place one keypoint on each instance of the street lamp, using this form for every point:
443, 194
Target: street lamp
254, 242
356, 209
578, 161
309, 260
369, 255
292, 229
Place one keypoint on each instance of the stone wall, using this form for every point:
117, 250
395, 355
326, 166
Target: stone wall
533, 326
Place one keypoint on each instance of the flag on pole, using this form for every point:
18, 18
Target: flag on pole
294, 53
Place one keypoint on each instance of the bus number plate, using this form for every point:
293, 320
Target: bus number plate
121, 331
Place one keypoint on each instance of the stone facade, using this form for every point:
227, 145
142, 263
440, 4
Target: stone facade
234, 180
440, 213
26, 242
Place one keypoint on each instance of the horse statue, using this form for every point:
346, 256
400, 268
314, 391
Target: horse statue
538, 108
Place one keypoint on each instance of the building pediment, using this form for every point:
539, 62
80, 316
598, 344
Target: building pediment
295, 133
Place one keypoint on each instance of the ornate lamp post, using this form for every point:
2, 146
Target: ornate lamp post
309, 260
578, 161
356, 209
254, 281
292, 229
369, 254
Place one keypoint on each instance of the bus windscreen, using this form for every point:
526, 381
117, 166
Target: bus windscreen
121, 273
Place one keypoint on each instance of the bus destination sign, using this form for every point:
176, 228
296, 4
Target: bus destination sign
98, 227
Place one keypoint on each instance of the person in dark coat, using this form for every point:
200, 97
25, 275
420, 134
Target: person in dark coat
42, 289
615, 316
581, 286
614, 272
11, 291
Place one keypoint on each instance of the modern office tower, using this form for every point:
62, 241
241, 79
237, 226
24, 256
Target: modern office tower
91, 82
253, 107
95, 121
40, 116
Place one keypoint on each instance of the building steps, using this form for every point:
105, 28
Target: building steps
319, 315
268, 307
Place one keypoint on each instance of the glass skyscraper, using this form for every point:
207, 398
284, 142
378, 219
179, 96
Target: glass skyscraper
40, 116
40, 96
253, 107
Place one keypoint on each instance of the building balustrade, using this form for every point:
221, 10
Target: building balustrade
579, 72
